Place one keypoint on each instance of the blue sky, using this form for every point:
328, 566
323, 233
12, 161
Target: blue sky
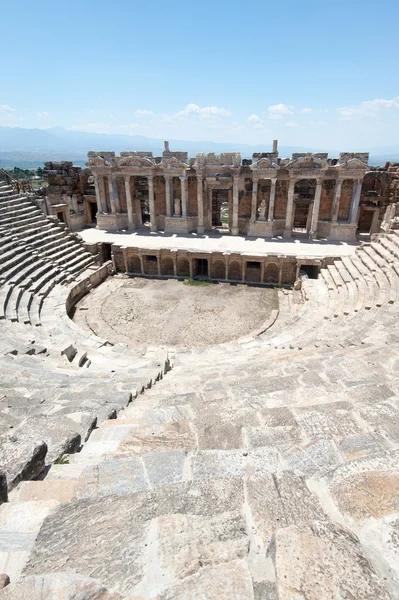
308, 73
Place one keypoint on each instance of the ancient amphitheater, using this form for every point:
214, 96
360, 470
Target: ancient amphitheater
265, 467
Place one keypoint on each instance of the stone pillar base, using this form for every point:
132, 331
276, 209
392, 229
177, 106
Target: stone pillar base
263, 228
234, 231
287, 233
180, 224
340, 232
201, 230
112, 222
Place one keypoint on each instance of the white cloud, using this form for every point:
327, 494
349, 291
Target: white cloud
259, 126
143, 113
255, 119
306, 110
318, 123
279, 111
207, 112
5, 108
42, 114
290, 124
368, 108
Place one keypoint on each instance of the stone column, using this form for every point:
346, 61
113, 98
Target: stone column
151, 201
243, 269
270, 216
99, 198
129, 203
168, 195
226, 266
234, 229
113, 192
374, 227
101, 186
290, 207
357, 189
174, 258
141, 263
125, 259
200, 203
262, 271
190, 263
316, 209
183, 183
280, 274
159, 263
254, 211
336, 201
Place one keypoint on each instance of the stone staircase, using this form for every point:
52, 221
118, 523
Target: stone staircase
36, 254
50, 399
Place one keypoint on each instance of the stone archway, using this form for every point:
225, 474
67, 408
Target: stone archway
167, 266
235, 271
218, 270
134, 264
183, 268
271, 273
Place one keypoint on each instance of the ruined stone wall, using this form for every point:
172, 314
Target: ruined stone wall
192, 196
326, 200
346, 200
120, 183
245, 199
159, 196
280, 206
67, 185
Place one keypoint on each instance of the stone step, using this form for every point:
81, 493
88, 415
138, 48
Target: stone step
24, 306
366, 259
5, 292
378, 258
387, 243
335, 275
61, 490
20, 522
13, 302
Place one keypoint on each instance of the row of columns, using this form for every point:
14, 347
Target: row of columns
114, 200
357, 188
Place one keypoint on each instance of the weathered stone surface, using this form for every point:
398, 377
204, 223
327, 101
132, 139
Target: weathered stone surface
23, 458
279, 501
106, 537
324, 560
159, 438
60, 586
365, 495
4, 581
228, 581
189, 542
312, 457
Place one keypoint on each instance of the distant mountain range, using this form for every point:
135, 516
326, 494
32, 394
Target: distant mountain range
29, 148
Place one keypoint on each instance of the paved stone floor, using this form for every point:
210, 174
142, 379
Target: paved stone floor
170, 312
220, 243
